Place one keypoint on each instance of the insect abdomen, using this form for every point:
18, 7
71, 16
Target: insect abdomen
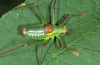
36, 31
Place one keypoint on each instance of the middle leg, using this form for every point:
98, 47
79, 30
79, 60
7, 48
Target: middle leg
53, 12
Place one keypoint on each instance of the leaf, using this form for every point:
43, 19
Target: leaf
84, 35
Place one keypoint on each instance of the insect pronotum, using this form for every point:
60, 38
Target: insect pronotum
45, 31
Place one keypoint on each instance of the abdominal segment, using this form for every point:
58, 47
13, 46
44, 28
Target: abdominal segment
37, 31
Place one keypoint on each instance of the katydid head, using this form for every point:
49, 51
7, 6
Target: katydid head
65, 30
60, 29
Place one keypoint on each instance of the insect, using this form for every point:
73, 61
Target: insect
46, 32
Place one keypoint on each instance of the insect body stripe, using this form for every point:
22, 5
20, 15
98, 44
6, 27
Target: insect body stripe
35, 30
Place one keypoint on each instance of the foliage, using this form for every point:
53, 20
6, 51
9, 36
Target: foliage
84, 34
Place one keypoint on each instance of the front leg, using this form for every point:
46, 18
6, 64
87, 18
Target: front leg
60, 43
67, 17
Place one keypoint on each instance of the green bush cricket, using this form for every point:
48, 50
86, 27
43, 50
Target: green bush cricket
45, 31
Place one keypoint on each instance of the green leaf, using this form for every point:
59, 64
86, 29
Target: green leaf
84, 35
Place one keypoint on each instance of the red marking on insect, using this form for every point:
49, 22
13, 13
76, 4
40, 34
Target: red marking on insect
48, 28
23, 31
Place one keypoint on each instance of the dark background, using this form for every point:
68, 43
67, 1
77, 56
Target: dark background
7, 5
